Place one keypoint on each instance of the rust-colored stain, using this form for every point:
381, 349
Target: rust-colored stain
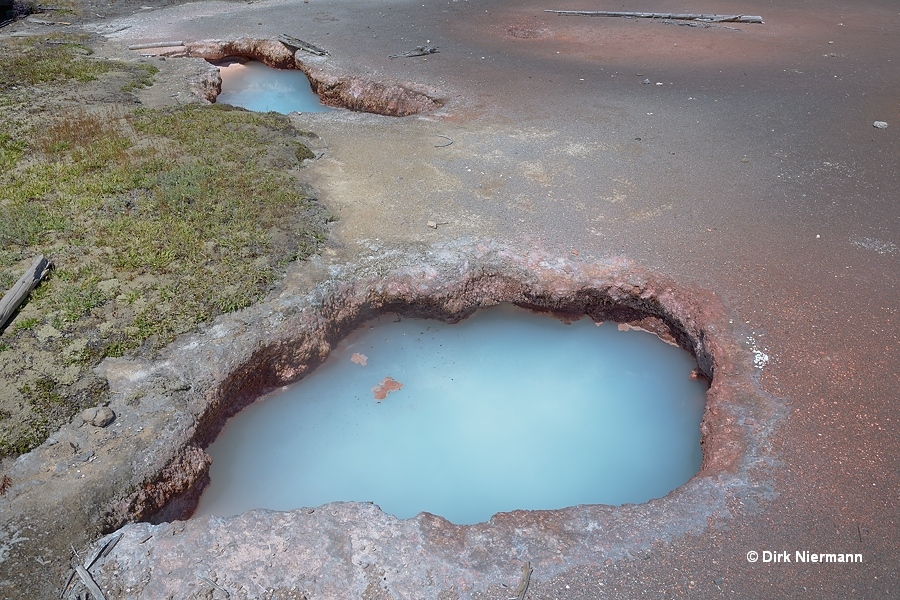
359, 359
384, 388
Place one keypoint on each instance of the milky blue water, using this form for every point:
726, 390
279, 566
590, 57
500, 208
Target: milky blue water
260, 88
504, 410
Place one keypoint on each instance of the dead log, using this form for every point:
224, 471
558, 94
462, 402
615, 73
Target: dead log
659, 15
417, 51
155, 45
27, 282
292, 42
38, 21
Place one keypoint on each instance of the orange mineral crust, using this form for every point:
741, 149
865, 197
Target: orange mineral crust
384, 388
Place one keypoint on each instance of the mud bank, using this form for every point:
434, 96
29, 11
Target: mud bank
174, 406
336, 89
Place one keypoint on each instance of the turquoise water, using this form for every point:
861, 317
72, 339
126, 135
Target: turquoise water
504, 410
261, 88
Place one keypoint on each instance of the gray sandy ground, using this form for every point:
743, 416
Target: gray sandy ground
753, 171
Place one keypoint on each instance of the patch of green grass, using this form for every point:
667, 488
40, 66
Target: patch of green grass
74, 294
60, 7
47, 408
35, 60
42, 394
155, 220
24, 223
145, 77
11, 150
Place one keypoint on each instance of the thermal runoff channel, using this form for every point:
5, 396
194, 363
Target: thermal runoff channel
504, 410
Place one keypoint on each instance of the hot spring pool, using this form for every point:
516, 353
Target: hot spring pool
504, 410
260, 88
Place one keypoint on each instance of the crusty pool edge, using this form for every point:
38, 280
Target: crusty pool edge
279, 341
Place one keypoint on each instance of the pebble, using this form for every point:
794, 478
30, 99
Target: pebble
98, 416
880, 124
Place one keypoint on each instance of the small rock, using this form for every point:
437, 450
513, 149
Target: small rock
880, 124
432, 224
83, 457
99, 416
646, 81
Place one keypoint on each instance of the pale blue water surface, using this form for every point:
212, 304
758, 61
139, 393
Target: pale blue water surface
504, 410
260, 88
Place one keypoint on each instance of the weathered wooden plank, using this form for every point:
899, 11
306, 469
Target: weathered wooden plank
156, 45
27, 282
293, 42
661, 15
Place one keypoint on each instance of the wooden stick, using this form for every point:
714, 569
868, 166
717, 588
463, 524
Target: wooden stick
89, 583
27, 282
103, 550
293, 42
156, 45
524, 581
37, 21
656, 15
214, 584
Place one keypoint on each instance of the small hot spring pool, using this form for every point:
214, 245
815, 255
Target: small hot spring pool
260, 88
504, 410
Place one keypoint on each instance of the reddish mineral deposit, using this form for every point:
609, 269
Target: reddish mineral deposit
386, 386
359, 359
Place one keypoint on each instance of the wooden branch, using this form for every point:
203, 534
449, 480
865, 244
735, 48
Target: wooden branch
524, 581
293, 42
27, 282
656, 15
156, 45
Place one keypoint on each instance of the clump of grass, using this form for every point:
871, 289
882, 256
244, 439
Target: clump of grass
145, 77
29, 323
75, 294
